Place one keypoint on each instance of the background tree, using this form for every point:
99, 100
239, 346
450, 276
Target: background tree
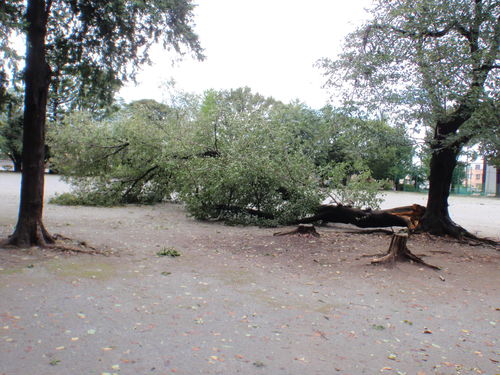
490, 143
109, 39
431, 62
10, 20
11, 129
386, 150
459, 175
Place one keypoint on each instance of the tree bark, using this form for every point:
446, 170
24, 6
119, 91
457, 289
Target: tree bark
355, 216
17, 161
436, 219
30, 229
398, 251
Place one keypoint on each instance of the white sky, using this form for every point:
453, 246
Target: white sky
267, 45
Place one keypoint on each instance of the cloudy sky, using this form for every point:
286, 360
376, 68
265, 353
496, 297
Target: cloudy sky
268, 45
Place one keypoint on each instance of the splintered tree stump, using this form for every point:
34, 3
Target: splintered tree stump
398, 251
301, 230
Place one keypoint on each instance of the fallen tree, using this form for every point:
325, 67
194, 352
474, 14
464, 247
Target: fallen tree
405, 216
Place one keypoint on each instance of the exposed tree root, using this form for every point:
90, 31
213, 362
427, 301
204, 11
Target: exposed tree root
398, 251
301, 230
30, 233
62, 244
463, 236
443, 227
66, 244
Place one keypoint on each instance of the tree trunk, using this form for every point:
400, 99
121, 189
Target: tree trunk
437, 219
17, 161
398, 251
30, 229
355, 216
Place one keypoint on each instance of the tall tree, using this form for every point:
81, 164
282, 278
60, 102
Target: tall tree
431, 62
104, 42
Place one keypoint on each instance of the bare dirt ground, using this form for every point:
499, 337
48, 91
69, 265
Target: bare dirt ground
242, 301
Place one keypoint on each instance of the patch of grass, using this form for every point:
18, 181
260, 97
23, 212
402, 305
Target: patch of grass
168, 252
54, 362
89, 199
66, 199
378, 327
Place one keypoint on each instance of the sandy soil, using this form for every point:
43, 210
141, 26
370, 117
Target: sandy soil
240, 300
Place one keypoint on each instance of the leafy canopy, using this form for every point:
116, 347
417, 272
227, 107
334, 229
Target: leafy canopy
425, 62
93, 46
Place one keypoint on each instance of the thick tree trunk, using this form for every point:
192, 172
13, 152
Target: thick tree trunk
30, 229
437, 219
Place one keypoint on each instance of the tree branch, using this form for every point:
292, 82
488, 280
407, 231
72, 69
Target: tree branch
249, 211
429, 33
136, 180
116, 151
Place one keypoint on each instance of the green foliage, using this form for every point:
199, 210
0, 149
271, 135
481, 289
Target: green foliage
231, 155
168, 252
459, 175
122, 159
260, 166
10, 19
94, 46
351, 184
387, 151
332, 136
425, 62
490, 142
11, 129
82, 197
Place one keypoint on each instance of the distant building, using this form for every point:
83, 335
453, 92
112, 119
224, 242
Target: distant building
474, 176
482, 178
492, 181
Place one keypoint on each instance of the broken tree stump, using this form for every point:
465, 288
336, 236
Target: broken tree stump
398, 251
301, 230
